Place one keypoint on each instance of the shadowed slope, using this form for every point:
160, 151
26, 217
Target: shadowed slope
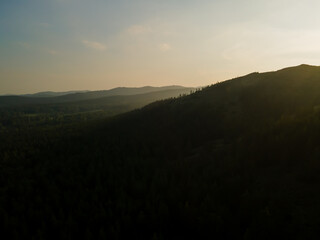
237, 160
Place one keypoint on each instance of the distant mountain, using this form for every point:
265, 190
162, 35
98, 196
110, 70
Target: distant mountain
121, 91
54, 97
81, 103
51, 94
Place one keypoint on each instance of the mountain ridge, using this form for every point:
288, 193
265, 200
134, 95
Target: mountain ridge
80, 96
236, 160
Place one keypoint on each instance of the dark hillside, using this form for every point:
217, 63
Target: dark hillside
234, 105
236, 160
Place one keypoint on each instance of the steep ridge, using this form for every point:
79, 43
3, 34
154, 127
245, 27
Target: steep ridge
240, 103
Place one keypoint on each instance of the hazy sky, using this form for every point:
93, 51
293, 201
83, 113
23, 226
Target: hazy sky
100, 44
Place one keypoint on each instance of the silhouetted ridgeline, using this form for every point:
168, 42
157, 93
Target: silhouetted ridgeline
23, 112
74, 96
236, 160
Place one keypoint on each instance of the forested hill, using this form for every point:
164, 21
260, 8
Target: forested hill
241, 103
237, 160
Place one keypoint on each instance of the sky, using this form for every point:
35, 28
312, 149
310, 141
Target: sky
61, 45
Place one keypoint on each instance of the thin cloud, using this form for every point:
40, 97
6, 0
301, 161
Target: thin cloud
164, 47
24, 45
138, 29
94, 45
53, 52
43, 24
64, 1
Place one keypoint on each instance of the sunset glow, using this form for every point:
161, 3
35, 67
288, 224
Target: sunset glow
63, 45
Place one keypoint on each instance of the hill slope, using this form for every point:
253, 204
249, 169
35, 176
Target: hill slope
237, 160
238, 104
